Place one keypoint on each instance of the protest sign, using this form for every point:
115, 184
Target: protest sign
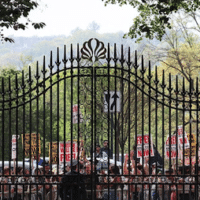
14, 146
192, 150
53, 149
183, 143
171, 147
143, 142
68, 152
31, 144
77, 117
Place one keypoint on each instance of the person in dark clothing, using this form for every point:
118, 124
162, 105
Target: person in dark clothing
106, 150
91, 178
98, 151
72, 184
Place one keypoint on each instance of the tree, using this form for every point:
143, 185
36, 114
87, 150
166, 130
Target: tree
178, 52
12, 11
154, 16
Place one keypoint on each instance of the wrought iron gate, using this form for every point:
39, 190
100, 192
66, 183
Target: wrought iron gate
54, 120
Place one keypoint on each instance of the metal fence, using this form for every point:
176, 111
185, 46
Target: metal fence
133, 131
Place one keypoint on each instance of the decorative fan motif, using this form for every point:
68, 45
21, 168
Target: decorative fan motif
93, 54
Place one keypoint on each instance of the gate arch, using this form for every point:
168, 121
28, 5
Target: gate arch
101, 96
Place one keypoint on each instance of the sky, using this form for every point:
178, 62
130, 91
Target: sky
63, 16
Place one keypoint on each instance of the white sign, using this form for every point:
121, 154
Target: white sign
75, 115
68, 152
143, 142
14, 146
170, 147
183, 141
113, 101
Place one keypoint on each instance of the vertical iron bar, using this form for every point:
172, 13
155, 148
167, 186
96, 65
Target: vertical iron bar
156, 114
183, 94
129, 116
58, 101
24, 124
170, 136
92, 120
51, 113
115, 79
149, 77
17, 133
95, 128
64, 98
37, 119
143, 85
163, 119
108, 72
122, 104
177, 148
3, 107
78, 101
71, 60
51, 116
136, 110
44, 115
190, 130
9, 130
64, 117
197, 140
30, 122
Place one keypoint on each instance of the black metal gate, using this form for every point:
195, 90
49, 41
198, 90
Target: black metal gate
98, 125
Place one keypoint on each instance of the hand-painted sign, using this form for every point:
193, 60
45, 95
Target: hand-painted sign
171, 146
14, 143
183, 142
53, 149
68, 151
143, 142
31, 144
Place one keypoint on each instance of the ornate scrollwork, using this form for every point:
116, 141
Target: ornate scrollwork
93, 54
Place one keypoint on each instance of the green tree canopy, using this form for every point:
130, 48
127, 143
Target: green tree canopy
154, 16
12, 11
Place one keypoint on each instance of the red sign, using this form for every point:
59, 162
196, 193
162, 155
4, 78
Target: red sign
145, 146
145, 152
145, 139
171, 149
68, 151
173, 140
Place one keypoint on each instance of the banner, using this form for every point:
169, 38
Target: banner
33, 145
14, 146
75, 115
183, 142
145, 141
173, 148
67, 151
53, 149
192, 149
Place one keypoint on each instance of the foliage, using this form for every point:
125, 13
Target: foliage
154, 16
11, 13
